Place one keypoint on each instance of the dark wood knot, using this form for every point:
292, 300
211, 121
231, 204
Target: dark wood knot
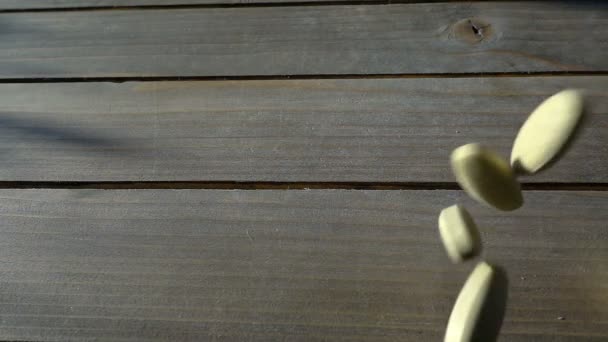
472, 31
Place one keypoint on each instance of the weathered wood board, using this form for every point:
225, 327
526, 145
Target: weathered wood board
84, 4
288, 265
71, 4
376, 130
478, 37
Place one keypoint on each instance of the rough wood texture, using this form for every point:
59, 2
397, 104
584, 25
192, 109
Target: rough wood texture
388, 130
288, 265
402, 38
45, 4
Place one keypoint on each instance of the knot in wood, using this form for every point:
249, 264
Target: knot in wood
472, 31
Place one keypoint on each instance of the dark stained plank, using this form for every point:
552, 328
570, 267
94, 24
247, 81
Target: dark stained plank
309, 40
288, 265
364, 130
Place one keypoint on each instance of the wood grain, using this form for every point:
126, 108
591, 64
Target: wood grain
361, 130
287, 265
424, 38
64, 4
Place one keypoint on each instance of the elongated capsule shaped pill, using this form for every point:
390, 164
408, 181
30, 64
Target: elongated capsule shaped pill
479, 310
486, 177
547, 131
459, 233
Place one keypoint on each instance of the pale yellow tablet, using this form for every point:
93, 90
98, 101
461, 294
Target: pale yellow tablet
479, 309
547, 131
486, 177
459, 233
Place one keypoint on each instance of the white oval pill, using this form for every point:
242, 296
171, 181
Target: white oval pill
547, 131
459, 233
486, 177
478, 312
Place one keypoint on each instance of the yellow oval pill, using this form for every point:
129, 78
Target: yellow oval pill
546, 131
479, 310
459, 233
486, 177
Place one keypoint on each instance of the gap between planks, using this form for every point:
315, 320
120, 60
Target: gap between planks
298, 77
234, 185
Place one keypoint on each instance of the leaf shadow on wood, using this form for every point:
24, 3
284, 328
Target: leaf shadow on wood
28, 139
52, 133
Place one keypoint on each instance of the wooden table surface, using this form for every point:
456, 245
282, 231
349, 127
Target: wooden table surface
272, 170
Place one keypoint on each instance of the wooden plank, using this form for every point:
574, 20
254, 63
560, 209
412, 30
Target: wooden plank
61, 4
402, 38
287, 265
364, 130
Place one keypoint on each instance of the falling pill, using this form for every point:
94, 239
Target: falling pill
459, 233
479, 310
547, 131
486, 177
